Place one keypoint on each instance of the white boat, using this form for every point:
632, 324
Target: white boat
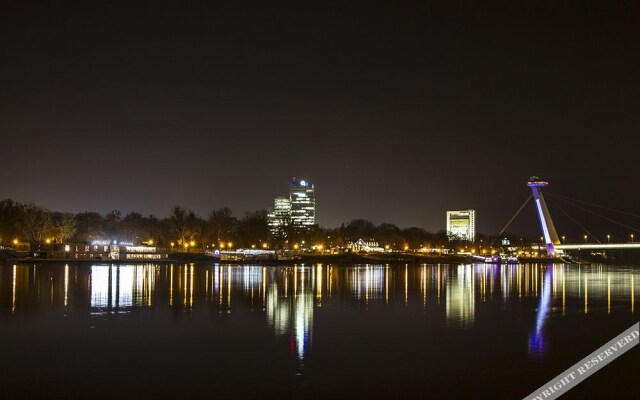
512, 260
258, 255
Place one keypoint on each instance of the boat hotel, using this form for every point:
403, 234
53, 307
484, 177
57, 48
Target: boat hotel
97, 250
254, 255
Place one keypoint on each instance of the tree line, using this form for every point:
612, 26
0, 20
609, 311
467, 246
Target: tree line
184, 228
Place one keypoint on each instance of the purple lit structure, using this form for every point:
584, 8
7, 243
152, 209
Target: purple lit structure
548, 230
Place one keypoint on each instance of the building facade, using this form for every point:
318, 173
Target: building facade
461, 225
280, 217
296, 212
98, 250
303, 204
370, 246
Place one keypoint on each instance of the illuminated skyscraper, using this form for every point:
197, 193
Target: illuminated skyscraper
303, 204
461, 225
280, 217
298, 211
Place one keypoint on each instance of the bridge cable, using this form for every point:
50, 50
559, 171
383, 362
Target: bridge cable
595, 213
514, 217
592, 204
576, 222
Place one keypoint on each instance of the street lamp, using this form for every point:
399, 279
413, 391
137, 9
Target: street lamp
564, 241
585, 238
608, 238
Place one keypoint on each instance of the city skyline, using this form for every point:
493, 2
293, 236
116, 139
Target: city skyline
459, 224
381, 105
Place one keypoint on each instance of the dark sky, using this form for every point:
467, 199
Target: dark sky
395, 112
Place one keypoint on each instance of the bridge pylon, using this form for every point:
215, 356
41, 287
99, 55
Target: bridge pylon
548, 229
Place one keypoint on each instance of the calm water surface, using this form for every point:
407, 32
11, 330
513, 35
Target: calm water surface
360, 331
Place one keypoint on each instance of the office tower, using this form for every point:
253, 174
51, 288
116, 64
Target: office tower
280, 218
461, 225
303, 204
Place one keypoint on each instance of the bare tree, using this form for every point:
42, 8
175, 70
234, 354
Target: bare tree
252, 228
35, 222
133, 228
178, 219
9, 218
195, 230
221, 224
89, 226
65, 227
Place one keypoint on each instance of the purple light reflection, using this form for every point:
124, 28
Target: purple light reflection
537, 340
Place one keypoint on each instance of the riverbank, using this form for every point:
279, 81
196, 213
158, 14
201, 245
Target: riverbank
382, 258
8, 255
171, 258
408, 258
334, 259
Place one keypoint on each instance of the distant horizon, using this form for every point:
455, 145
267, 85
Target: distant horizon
124, 212
532, 218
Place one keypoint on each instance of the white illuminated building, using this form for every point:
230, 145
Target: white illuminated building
280, 217
461, 225
303, 204
367, 247
298, 211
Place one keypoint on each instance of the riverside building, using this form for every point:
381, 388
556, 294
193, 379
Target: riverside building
104, 250
461, 225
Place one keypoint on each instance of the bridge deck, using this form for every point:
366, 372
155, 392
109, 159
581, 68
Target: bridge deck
597, 246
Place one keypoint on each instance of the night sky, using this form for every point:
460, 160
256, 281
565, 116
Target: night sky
395, 112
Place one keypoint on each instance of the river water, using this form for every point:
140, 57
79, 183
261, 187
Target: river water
310, 331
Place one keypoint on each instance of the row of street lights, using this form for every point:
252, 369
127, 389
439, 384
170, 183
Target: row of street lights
564, 238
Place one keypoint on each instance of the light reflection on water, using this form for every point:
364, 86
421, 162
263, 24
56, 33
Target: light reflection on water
115, 288
537, 338
460, 297
290, 295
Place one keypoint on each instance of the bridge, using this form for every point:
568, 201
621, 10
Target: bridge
597, 246
552, 241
